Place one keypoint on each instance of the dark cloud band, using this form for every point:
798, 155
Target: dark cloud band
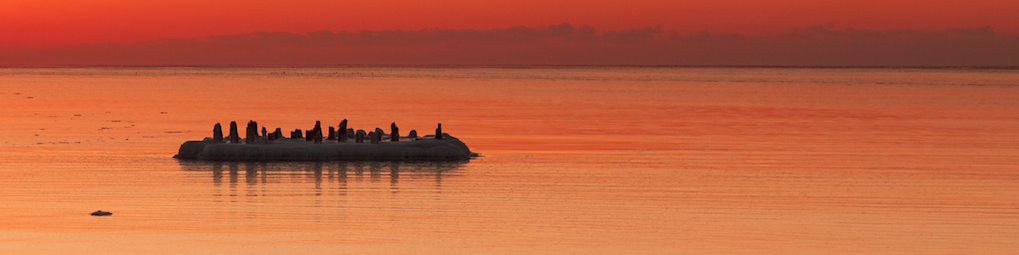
562, 44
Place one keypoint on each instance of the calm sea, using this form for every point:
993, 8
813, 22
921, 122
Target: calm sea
590, 160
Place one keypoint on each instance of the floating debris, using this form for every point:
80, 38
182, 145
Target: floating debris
101, 213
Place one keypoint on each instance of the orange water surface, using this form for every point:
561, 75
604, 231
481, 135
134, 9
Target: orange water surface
575, 160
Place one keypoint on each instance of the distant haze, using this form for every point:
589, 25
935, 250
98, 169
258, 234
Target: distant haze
562, 44
46, 23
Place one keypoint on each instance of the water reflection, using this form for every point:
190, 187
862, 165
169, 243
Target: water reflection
319, 174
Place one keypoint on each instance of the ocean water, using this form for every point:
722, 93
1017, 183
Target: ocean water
575, 160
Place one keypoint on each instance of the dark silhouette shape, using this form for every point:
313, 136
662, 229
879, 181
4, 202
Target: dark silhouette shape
234, 137
101, 213
413, 134
217, 133
394, 133
438, 132
449, 148
251, 135
332, 133
317, 132
342, 131
359, 137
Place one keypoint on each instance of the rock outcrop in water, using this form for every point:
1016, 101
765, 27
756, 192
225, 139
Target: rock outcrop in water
394, 131
234, 137
101, 213
342, 131
217, 133
316, 133
438, 132
268, 148
359, 137
251, 133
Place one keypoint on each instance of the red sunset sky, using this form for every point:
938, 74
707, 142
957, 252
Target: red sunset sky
40, 24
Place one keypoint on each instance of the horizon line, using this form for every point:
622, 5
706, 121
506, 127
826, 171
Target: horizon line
830, 27
982, 67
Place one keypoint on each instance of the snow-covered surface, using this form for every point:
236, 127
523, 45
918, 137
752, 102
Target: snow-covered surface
425, 149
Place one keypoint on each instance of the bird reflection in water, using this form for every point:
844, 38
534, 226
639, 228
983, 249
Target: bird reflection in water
324, 175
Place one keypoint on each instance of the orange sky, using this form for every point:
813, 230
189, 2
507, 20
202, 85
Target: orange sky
42, 23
